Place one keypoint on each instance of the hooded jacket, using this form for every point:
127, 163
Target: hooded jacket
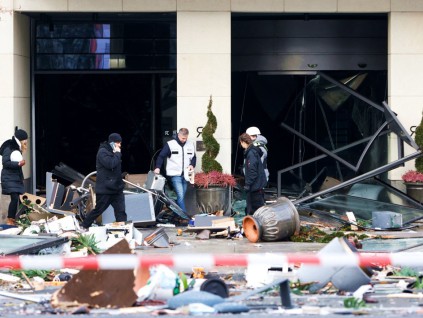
109, 170
255, 177
11, 175
261, 142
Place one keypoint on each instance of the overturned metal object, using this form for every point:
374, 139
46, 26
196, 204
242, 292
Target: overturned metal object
348, 278
158, 238
32, 199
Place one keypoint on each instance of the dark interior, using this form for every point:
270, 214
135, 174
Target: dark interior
75, 113
78, 101
267, 101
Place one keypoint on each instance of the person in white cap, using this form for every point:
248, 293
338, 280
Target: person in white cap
259, 141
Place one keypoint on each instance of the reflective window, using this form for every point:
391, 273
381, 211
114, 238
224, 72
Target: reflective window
101, 46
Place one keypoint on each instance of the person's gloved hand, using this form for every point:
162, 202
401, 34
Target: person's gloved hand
247, 188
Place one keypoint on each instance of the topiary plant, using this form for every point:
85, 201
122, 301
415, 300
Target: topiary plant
419, 141
211, 145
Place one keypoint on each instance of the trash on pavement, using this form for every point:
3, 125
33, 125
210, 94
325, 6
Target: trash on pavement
157, 238
162, 284
100, 288
344, 278
192, 297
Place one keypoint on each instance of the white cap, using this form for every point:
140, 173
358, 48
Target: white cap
253, 131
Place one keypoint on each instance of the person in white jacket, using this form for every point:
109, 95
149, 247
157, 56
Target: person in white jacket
181, 157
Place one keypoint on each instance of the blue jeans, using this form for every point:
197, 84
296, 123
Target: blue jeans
180, 186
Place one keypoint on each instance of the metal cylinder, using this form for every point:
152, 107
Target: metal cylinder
213, 199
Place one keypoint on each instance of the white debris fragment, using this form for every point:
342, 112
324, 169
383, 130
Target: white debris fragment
9, 278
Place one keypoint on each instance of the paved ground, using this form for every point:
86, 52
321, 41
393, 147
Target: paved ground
386, 302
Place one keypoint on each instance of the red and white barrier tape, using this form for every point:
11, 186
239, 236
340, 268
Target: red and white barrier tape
188, 261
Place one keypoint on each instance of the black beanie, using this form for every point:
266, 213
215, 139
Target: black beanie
21, 134
115, 137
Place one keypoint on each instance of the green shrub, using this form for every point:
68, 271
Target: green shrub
211, 145
419, 141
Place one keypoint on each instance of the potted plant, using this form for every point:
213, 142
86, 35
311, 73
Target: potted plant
214, 179
413, 179
212, 185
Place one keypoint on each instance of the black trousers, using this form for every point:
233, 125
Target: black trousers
255, 200
13, 206
102, 203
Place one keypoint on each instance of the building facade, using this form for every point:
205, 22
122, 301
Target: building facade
202, 59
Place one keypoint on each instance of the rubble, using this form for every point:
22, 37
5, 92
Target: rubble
241, 297
54, 225
344, 278
102, 288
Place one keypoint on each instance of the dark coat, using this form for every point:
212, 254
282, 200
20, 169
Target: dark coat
109, 170
11, 175
255, 177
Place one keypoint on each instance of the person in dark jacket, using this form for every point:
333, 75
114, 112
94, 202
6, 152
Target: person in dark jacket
260, 141
255, 176
12, 175
109, 184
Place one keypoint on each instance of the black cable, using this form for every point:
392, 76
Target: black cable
152, 159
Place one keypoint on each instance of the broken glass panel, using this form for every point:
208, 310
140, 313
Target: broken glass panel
23, 245
343, 152
362, 208
342, 135
391, 245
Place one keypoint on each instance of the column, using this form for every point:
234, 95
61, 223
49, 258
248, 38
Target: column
405, 66
204, 70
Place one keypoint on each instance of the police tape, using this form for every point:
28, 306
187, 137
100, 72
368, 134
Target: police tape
188, 261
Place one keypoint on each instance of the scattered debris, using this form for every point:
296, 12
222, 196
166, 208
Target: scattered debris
313, 234
158, 238
162, 284
100, 288
87, 242
203, 235
344, 278
51, 225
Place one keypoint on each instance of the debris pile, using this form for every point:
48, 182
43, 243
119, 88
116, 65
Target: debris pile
254, 283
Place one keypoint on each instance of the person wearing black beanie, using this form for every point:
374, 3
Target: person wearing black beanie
12, 178
21, 134
115, 137
109, 184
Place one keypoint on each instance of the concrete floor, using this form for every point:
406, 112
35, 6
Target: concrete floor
187, 243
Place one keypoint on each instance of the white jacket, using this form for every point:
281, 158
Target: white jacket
180, 157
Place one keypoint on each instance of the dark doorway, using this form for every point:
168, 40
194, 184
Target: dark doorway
74, 113
309, 104
276, 60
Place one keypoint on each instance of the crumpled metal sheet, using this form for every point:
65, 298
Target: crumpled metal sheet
100, 288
